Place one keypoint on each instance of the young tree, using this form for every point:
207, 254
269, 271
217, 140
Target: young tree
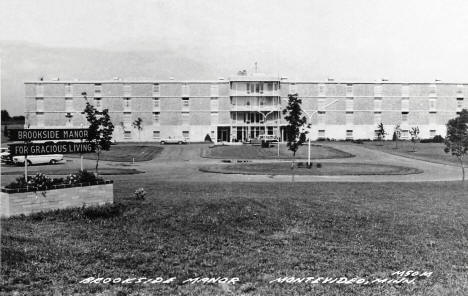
294, 131
100, 129
414, 132
456, 141
381, 133
396, 135
138, 124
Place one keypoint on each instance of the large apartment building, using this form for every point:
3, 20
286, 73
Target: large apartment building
246, 106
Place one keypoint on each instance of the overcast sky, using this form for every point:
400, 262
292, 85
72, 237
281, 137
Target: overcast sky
358, 39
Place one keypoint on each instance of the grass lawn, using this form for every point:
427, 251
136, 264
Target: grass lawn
433, 152
257, 152
125, 153
326, 169
257, 232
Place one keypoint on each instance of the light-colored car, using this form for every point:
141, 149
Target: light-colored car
5, 155
173, 140
39, 159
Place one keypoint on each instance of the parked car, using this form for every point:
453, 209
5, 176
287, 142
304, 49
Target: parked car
5, 155
264, 138
39, 159
173, 140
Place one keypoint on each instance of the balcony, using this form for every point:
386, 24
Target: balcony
264, 107
244, 93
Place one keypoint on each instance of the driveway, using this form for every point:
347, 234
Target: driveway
182, 163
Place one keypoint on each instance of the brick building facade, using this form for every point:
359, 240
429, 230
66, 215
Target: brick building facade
243, 107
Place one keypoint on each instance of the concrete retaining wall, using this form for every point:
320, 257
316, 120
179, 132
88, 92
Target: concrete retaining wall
13, 204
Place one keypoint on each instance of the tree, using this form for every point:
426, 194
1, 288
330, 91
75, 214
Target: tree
381, 132
396, 135
5, 116
138, 124
294, 131
100, 129
414, 132
456, 141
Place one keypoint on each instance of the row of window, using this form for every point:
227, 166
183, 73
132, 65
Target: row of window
378, 90
127, 89
405, 135
247, 102
156, 135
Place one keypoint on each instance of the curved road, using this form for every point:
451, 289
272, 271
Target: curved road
181, 163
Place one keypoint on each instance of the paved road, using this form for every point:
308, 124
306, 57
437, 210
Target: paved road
181, 163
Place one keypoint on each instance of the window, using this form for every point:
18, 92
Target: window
98, 104
459, 103
156, 88
127, 104
432, 104
40, 118
321, 117
321, 104
127, 135
214, 90
156, 117
185, 89
321, 90
432, 133
68, 90
405, 104
68, 104
432, 117
185, 118
127, 90
69, 118
378, 91
377, 117
214, 118
404, 134
156, 103
349, 90
97, 89
404, 117
127, 117
292, 88
349, 134
214, 103
321, 134
405, 90
349, 104
156, 135
185, 102
270, 86
349, 118
39, 104
378, 104
186, 134
39, 90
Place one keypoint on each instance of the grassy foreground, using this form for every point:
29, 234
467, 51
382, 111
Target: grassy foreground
257, 232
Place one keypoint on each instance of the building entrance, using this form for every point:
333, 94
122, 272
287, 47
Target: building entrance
224, 133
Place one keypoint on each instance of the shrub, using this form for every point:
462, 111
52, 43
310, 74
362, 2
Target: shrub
208, 138
438, 139
139, 194
82, 177
319, 165
38, 181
